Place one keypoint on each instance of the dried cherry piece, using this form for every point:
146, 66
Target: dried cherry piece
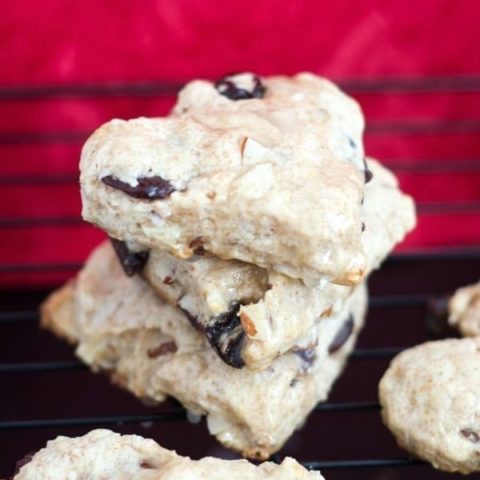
132, 262
367, 172
307, 355
342, 335
192, 319
150, 188
470, 435
226, 86
226, 335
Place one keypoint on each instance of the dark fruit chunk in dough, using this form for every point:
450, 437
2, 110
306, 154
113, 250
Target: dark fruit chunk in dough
226, 335
150, 188
132, 262
342, 335
227, 87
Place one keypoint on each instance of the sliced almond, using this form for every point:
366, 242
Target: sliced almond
248, 325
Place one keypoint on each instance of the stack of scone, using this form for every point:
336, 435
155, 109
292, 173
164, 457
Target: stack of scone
246, 223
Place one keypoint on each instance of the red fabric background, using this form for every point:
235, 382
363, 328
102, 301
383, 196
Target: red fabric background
99, 42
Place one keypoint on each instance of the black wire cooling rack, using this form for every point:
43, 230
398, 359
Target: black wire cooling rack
46, 392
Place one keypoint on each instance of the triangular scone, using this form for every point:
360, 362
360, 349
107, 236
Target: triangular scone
150, 348
105, 455
275, 180
251, 315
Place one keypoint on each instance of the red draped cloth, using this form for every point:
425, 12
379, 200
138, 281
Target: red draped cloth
68, 66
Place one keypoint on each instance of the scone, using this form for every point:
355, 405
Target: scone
149, 347
464, 310
273, 176
105, 455
430, 401
251, 315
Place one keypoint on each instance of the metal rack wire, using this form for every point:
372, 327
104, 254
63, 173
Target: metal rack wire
45, 391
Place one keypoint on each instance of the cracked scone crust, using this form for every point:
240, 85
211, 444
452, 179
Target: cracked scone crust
464, 310
149, 347
105, 455
275, 181
430, 401
249, 315
264, 313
